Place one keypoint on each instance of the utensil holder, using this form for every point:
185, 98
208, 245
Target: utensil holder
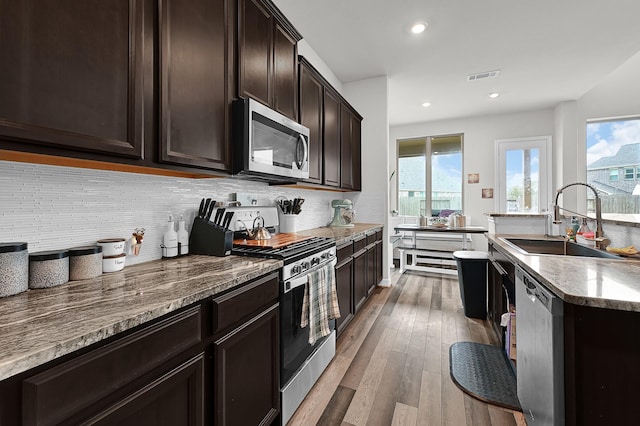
287, 222
207, 238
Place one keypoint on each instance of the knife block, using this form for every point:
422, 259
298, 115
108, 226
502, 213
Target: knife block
207, 238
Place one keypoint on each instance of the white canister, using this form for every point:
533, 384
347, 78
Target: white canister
112, 246
113, 263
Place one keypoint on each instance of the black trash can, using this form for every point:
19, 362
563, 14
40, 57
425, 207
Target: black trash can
472, 277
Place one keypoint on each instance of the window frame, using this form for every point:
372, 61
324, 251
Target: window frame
428, 177
614, 173
543, 143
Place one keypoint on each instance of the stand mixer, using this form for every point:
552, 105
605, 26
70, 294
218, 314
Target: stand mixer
343, 213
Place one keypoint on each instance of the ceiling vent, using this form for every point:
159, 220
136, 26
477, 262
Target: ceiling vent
483, 75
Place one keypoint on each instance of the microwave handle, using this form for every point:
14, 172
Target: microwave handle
300, 162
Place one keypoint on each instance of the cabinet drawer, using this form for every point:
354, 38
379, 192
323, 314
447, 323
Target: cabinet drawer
359, 244
371, 238
344, 251
56, 394
244, 302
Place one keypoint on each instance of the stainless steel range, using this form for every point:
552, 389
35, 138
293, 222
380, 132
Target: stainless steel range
301, 364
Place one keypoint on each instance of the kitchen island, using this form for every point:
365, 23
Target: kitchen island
601, 304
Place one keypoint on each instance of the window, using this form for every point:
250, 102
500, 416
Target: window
613, 149
629, 172
613, 175
522, 175
429, 175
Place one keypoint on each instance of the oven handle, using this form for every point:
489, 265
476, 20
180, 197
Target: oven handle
302, 279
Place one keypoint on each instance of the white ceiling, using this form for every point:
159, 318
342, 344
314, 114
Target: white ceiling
548, 51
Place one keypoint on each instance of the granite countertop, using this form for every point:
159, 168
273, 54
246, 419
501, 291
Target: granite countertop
519, 215
342, 235
587, 281
40, 325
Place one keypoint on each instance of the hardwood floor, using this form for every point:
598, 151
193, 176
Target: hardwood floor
392, 362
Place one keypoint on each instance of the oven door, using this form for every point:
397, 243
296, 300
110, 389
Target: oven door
294, 339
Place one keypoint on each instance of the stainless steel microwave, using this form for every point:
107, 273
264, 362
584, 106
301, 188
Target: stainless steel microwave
268, 145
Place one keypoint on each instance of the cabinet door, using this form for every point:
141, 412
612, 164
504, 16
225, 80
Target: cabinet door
371, 269
346, 148
379, 263
285, 72
72, 74
194, 75
331, 128
247, 372
360, 284
254, 51
311, 116
356, 153
344, 287
176, 398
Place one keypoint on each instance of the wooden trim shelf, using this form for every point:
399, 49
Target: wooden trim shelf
53, 160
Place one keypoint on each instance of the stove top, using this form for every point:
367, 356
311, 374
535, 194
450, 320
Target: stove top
295, 249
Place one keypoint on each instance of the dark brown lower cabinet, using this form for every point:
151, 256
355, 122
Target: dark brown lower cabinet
379, 266
247, 372
214, 362
344, 280
601, 365
371, 268
360, 284
176, 398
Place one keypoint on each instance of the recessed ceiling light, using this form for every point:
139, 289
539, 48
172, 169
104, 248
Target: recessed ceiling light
426, 104
494, 95
418, 28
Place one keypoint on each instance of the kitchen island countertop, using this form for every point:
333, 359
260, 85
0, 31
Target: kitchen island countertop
38, 326
586, 281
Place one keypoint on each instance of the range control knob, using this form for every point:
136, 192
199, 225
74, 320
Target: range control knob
297, 269
315, 261
305, 266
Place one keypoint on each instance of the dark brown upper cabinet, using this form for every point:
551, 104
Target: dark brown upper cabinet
311, 116
195, 82
267, 57
71, 75
335, 129
350, 148
331, 128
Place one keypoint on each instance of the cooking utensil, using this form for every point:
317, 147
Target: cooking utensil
258, 232
297, 202
227, 220
208, 216
206, 207
218, 219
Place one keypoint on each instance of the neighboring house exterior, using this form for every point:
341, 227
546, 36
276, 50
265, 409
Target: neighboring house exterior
618, 174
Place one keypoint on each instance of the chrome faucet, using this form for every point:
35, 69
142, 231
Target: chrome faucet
601, 242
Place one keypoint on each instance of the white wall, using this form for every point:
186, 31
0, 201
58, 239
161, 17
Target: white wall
369, 98
478, 152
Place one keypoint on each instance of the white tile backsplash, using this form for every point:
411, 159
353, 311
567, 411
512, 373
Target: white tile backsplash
55, 207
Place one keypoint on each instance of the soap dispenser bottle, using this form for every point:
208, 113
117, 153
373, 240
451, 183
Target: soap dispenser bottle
574, 226
183, 237
170, 240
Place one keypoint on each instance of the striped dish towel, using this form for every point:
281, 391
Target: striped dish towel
320, 303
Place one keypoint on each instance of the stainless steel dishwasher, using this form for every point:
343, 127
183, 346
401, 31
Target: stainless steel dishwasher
540, 351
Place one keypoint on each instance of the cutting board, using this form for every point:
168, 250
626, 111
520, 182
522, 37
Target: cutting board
275, 242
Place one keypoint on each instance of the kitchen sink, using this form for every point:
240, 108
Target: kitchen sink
557, 247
